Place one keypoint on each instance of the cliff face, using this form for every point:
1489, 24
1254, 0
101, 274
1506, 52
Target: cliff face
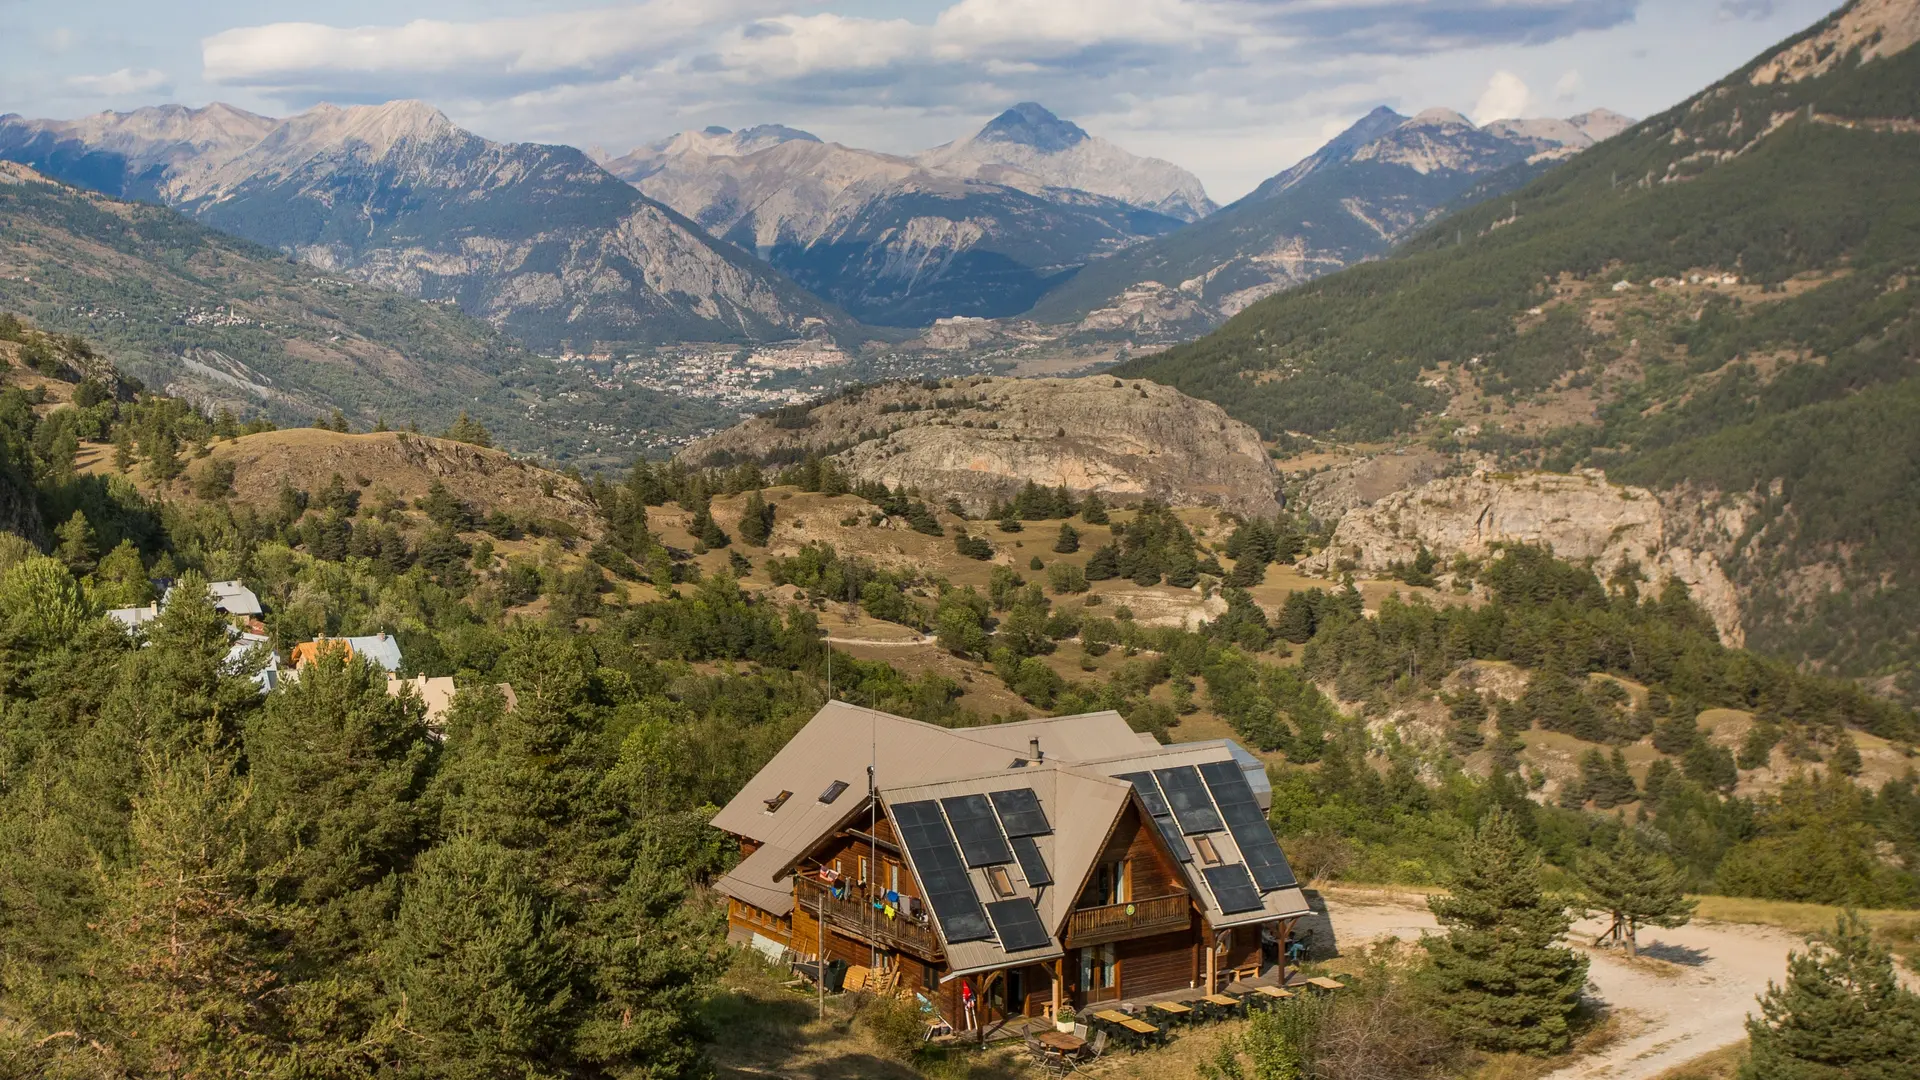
1581, 517
978, 440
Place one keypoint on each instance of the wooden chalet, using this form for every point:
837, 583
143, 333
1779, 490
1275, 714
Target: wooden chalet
1064, 860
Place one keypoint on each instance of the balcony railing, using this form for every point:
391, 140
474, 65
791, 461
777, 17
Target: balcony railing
1156, 914
857, 917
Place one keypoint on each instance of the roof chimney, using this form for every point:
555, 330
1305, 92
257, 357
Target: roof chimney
1034, 752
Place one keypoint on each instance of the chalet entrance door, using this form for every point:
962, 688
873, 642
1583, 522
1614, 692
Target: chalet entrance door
1099, 975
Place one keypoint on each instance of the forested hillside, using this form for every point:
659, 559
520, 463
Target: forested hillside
1720, 299
197, 878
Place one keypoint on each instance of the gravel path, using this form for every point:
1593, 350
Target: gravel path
1689, 994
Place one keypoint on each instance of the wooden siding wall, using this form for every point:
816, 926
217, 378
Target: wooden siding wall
846, 851
1156, 965
1151, 873
753, 920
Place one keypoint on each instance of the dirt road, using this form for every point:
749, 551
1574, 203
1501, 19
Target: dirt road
1690, 992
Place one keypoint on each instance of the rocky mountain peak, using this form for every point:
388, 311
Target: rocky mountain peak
1601, 124
1032, 124
1439, 117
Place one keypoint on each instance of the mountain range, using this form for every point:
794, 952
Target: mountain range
537, 240
1351, 200
771, 233
229, 324
979, 227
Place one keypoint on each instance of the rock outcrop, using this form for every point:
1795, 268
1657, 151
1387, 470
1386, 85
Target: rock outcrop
981, 439
1582, 517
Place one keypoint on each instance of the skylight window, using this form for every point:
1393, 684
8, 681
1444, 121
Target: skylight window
1001, 882
1207, 853
778, 801
833, 791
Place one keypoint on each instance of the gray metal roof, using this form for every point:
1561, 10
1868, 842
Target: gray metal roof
763, 880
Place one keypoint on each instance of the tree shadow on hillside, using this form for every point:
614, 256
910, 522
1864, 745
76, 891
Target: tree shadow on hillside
1676, 954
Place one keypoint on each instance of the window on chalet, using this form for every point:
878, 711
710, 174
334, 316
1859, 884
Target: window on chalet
1002, 884
833, 791
778, 801
1207, 853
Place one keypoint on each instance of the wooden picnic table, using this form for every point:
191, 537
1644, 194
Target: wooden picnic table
1273, 992
1112, 1016
1173, 1009
1066, 1042
1325, 983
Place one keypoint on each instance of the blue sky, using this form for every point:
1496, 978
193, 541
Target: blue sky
1234, 90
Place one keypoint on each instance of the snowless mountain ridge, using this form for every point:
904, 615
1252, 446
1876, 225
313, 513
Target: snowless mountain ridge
536, 239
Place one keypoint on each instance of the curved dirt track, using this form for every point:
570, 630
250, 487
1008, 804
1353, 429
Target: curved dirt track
1690, 993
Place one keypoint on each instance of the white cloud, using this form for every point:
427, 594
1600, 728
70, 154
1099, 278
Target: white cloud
598, 40
119, 83
1506, 96
1568, 86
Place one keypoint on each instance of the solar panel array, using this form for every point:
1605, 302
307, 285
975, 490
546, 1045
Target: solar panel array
1156, 804
1143, 783
1232, 888
942, 872
1020, 812
1032, 866
978, 831
1019, 926
1249, 826
1187, 795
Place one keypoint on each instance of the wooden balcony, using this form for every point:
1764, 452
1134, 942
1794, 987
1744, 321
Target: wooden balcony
1154, 915
856, 917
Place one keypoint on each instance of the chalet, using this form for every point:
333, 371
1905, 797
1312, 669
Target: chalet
381, 649
1063, 860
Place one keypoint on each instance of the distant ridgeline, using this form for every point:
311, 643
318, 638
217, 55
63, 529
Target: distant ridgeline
231, 324
1797, 179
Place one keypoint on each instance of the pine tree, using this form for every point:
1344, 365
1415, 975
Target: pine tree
1498, 972
78, 548
756, 522
468, 430
338, 767
1094, 510
123, 456
1068, 541
1842, 1014
183, 958
1635, 886
480, 955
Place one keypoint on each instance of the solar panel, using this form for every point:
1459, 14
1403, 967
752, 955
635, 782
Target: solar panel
1248, 824
1149, 792
1018, 924
937, 862
1232, 888
1188, 797
1020, 812
1032, 866
1176, 843
977, 830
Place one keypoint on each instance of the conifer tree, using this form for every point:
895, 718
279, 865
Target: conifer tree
468, 430
1498, 972
78, 547
1635, 886
756, 522
1842, 1014
1093, 511
481, 960
338, 767
1068, 541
